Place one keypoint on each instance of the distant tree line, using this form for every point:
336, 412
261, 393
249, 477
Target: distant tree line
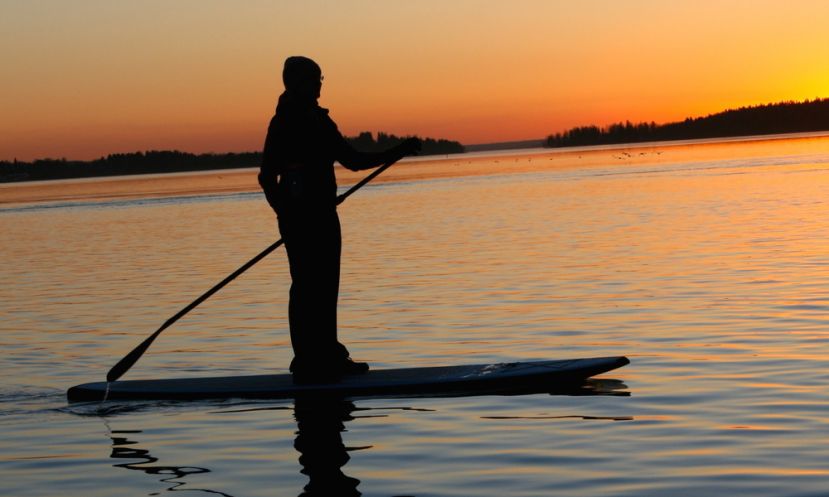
155, 161
365, 142
784, 117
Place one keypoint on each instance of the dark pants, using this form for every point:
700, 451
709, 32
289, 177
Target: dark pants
313, 242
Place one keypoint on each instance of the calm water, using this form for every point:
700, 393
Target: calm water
706, 264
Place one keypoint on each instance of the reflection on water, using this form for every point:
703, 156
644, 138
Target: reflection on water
320, 422
123, 448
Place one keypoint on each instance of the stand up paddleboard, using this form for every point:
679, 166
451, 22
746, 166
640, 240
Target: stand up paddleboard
505, 378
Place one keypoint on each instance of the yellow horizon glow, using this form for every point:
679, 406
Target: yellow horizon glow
88, 78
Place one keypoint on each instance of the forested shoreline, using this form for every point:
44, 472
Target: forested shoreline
169, 161
783, 117
777, 118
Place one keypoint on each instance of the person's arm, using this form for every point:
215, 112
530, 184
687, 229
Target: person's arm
357, 161
272, 162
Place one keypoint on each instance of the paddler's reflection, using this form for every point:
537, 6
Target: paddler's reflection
322, 454
320, 423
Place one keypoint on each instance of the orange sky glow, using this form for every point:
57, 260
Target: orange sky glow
86, 78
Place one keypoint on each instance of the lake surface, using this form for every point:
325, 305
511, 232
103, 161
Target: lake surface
707, 264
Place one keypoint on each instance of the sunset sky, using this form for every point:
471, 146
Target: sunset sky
84, 78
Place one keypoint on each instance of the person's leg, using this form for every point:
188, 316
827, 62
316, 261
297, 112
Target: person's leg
314, 245
339, 352
330, 251
297, 232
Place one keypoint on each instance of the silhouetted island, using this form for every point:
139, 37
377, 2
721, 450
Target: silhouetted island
783, 117
153, 162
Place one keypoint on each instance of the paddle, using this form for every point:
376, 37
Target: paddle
130, 359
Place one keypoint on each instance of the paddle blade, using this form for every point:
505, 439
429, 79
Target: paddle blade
130, 359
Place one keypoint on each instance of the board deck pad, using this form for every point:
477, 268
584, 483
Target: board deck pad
481, 379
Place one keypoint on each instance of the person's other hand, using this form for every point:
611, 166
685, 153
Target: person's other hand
410, 146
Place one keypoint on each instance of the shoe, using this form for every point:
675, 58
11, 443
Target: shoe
308, 372
349, 366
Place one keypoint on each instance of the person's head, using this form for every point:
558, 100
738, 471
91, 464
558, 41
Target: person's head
302, 77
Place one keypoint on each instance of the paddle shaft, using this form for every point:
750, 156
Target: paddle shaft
130, 359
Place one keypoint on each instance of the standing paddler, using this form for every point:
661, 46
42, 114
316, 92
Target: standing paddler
297, 176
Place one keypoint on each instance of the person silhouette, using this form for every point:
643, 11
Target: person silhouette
297, 177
